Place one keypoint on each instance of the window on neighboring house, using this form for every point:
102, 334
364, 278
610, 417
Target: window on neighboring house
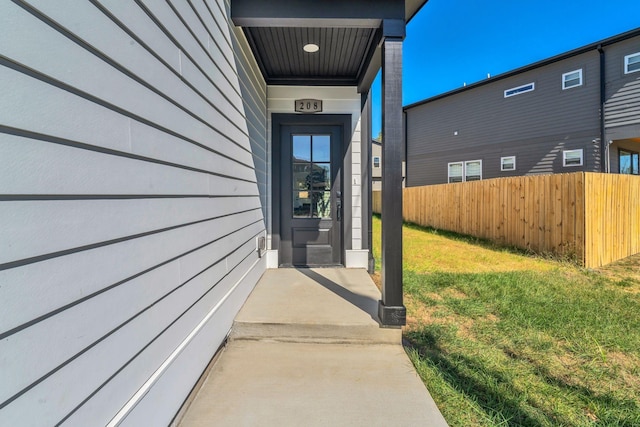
455, 171
572, 157
628, 161
572, 79
632, 63
473, 170
376, 162
508, 163
520, 89
470, 170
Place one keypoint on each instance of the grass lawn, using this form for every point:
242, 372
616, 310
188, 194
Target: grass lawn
505, 339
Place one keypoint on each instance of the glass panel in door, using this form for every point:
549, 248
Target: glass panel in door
311, 174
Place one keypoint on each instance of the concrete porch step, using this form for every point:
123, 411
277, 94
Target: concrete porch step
307, 350
314, 305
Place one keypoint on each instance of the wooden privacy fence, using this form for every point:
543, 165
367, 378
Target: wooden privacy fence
590, 216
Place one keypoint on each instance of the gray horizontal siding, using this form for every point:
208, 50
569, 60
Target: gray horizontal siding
481, 123
133, 187
254, 94
622, 107
431, 168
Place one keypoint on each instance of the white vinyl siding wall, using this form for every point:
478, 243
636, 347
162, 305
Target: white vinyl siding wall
133, 145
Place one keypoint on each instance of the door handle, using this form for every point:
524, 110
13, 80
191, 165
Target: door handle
339, 205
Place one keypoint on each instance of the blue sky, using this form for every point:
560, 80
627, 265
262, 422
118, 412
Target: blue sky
450, 42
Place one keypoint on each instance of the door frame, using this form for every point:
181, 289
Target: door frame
344, 121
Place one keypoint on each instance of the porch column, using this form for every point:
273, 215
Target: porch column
391, 309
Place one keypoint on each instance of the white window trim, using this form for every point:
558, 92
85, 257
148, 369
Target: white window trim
507, 94
464, 172
449, 171
374, 161
626, 63
564, 81
564, 157
463, 165
502, 160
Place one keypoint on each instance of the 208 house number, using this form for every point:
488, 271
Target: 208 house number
308, 106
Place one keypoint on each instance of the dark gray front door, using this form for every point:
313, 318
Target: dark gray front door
310, 195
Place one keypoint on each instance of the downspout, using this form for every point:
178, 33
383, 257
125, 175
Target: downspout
604, 147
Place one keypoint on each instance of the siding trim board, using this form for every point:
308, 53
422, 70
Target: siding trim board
147, 385
171, 359
54, 197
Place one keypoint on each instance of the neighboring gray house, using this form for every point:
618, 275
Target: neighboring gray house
543, 118
376, 166
147, 150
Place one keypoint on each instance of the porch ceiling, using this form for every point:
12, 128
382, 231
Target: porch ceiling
341, 60
347, 33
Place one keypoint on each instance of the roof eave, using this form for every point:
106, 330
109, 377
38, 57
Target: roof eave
542, 63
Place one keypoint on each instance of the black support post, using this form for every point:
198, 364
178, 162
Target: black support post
391, 309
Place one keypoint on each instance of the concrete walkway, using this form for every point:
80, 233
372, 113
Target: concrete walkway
306, 350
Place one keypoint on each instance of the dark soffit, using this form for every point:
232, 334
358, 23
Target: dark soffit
342, 58
347, 32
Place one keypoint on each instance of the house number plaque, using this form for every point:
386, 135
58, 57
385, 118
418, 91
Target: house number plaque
308, 105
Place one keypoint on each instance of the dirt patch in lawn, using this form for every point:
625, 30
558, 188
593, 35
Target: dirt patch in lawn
625, 273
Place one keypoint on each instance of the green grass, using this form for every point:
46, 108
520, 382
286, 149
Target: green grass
502, 338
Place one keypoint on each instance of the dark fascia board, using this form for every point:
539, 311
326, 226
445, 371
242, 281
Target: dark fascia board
412, 7
374, 60
371, 64
394, 28
311, 81
305, 13
252, 44
307, 22
544, 62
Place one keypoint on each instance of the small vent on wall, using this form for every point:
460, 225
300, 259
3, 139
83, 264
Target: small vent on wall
261, 245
